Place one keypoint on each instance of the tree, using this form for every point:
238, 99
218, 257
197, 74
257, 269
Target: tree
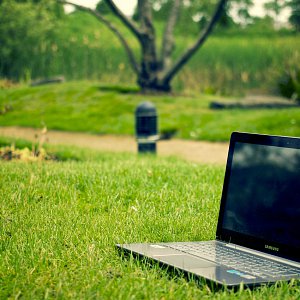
274, 7
26, 31
242, 7
155, 70
295, 13
103, 8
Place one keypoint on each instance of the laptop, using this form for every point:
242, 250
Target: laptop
258, 231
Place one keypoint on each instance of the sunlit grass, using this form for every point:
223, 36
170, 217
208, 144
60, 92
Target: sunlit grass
84, 106
60, 222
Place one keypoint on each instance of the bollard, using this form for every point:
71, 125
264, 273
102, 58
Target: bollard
146, 127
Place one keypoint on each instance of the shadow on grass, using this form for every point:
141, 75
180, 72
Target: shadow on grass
120, 89
218, 105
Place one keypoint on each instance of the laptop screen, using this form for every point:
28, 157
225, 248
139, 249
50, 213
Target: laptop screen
262, 198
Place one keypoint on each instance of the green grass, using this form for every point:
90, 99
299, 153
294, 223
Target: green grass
84, 106
59, 222
83, 48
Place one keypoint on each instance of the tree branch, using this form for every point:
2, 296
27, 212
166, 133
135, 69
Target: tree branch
126, 21
168, 44
190, 51
101, 18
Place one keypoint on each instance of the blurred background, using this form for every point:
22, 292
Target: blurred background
254, 48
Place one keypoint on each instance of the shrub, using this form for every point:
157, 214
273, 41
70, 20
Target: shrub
289, 85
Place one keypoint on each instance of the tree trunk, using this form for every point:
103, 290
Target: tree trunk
152, 86
156, 75
153, 74
147, 78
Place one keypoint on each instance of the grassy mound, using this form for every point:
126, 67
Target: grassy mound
84, 106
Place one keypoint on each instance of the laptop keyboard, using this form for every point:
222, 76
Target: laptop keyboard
237, 260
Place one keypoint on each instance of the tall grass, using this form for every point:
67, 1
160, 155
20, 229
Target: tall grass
85, 49
233, 64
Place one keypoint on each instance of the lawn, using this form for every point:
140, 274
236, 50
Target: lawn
92, 107
60, 221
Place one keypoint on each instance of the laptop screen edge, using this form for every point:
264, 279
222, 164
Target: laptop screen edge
241, 239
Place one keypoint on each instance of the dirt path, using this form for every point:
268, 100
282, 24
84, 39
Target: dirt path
201, 152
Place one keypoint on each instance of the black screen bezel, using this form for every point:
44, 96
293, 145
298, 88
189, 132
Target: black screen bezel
229, 236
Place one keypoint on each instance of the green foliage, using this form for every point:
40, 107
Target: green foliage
197, 11
86, 107
289, 80
295, 15
85, 49
26, 38
263, 26
242, 7
289, 85
195, 14
236, 64
103, 8
274, 7
79, 47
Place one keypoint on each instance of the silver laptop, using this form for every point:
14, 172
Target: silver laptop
258, 231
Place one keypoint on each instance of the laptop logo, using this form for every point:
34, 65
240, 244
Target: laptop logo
271, 248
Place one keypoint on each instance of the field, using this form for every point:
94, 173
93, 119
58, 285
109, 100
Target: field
61, 220
93, 107
227, 64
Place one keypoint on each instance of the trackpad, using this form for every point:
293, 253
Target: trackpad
185, 262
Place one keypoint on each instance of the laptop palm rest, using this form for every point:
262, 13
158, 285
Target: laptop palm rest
184, 261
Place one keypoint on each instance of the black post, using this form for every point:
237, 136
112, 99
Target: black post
146, 127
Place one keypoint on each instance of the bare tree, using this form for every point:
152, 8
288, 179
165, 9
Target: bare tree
154, 71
